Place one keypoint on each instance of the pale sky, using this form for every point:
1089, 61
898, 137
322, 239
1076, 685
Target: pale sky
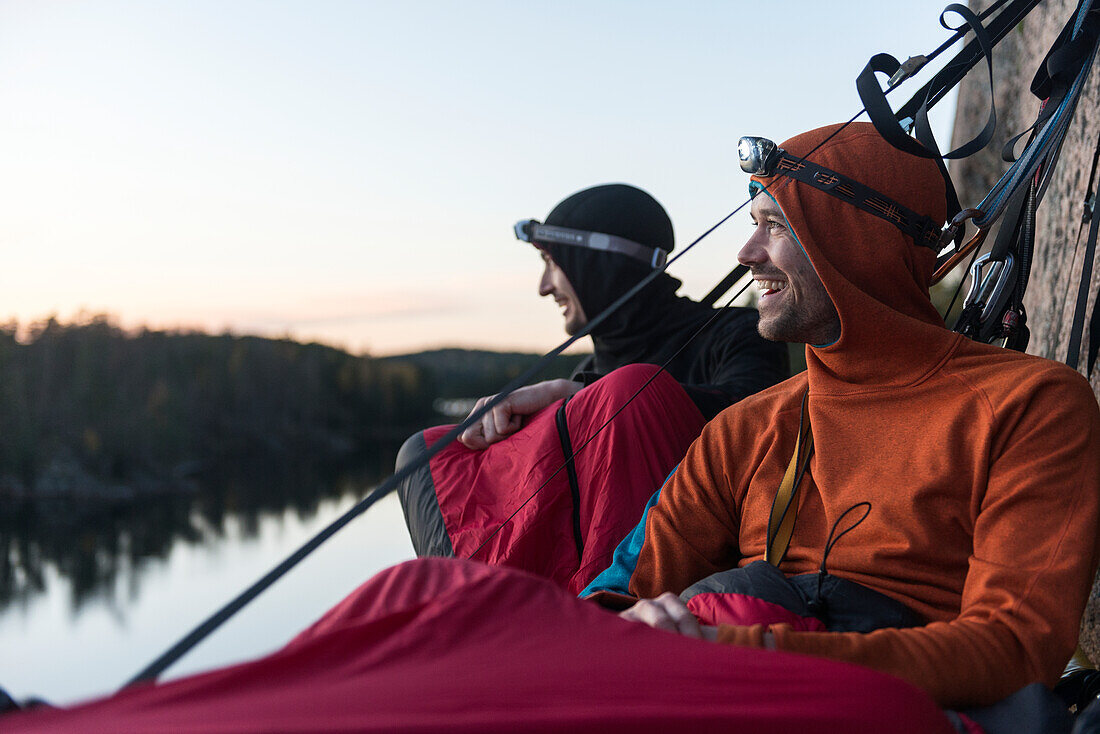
349, 172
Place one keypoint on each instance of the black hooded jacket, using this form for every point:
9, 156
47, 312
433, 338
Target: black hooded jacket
727, 361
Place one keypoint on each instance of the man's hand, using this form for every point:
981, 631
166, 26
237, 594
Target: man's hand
507, 417
667, 612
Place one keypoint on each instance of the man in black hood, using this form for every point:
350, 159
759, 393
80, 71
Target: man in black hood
597, 244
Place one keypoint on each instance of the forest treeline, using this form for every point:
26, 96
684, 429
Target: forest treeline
90, 408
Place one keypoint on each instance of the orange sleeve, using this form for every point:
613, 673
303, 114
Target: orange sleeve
1032, 565
692, 531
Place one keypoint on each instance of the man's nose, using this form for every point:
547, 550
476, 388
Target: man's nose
753, 252
545, 286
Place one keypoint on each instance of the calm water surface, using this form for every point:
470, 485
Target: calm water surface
65, 641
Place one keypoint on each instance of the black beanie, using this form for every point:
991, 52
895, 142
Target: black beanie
599, 277
616, 209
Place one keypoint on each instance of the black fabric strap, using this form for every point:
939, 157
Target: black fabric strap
925, 146
1066, 55
923, 129
571, 472
1010, 225
723, 287
1056, 73
1087, 216
1089, 202
933, 91
878, 109
922, 229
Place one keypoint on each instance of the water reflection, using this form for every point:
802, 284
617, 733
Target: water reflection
67, 637
101, 546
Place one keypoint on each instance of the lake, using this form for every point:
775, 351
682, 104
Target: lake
72, 630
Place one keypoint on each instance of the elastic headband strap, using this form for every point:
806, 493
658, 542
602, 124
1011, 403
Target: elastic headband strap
924, 231
532, 231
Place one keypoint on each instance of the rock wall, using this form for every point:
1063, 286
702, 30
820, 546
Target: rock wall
1060, 236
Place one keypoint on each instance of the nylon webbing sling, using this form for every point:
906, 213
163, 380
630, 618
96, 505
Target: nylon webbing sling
785, 504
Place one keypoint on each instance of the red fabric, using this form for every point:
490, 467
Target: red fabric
617, 472
442, 645
742, 609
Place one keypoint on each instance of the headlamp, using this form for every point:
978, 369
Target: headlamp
758, 155
762, 157
530, 230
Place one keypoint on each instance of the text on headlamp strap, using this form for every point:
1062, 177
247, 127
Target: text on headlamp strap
654, 257
921, 228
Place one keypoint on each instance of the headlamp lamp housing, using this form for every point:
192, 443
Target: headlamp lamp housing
758, 156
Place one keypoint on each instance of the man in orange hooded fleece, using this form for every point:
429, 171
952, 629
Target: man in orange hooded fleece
951, 485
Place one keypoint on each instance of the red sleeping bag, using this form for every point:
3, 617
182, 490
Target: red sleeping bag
444, 645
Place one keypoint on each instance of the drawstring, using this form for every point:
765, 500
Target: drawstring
817, 604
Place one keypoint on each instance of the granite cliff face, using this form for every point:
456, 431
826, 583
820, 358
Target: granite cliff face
1060, 236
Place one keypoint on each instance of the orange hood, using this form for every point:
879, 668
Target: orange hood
876, 276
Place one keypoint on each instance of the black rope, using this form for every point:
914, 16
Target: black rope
724, 285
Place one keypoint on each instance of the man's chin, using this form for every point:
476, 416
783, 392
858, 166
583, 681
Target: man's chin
769, 331
775, 330
572, 327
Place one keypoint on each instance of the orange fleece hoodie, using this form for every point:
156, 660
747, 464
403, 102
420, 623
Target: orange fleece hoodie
982, 465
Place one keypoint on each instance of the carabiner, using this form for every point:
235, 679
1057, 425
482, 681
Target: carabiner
989, 286
946, 265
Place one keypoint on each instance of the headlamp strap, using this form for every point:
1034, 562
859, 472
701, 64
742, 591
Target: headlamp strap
924, 231
654, 257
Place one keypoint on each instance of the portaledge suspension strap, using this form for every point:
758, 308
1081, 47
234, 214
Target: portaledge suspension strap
924, 146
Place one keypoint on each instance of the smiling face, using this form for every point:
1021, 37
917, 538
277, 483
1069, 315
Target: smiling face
554, 283
794, 305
